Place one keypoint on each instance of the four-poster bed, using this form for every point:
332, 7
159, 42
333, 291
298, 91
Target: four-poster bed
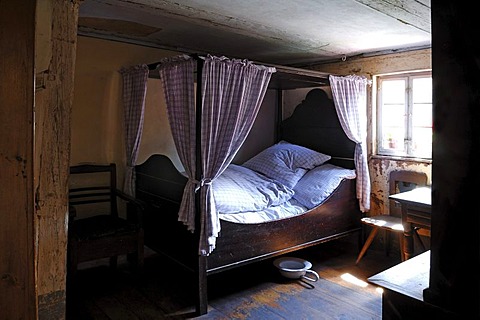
313, 125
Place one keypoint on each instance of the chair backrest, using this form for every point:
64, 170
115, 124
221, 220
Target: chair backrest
94, 184
401, 181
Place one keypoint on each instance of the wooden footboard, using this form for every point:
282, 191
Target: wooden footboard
161, 186
240, 244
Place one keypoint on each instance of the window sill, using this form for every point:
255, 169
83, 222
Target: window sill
399, 158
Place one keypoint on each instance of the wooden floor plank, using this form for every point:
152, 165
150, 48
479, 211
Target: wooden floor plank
256, 291
253, 303
114, 309
328, 299
138, 304
86, 309
173, 298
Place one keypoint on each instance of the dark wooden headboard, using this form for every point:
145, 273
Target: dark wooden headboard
315, 125
158, 179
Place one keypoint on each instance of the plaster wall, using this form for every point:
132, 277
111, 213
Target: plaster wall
97, 133
157, 135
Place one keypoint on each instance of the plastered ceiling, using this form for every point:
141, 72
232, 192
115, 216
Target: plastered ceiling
292, 32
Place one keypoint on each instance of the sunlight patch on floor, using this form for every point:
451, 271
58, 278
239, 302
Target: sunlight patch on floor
354, 280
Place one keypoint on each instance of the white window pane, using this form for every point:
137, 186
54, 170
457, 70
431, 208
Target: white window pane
393, 115
422, 115
422, 90
393, 92
422, 142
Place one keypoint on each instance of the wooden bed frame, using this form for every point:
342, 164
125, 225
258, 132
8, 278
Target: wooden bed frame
313, 124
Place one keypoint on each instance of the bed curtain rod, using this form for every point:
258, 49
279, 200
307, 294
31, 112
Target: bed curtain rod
153, 66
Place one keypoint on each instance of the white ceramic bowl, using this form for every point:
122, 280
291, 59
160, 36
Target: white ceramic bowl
295, 268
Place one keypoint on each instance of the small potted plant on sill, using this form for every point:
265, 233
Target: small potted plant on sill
392, 143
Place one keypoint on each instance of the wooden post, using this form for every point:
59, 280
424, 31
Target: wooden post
201, 272
18, 299
53, 104
35, 36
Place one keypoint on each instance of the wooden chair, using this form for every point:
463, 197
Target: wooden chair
399, 181
102, 233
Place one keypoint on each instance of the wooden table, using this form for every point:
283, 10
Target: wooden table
403, 291
416, 213
409, 278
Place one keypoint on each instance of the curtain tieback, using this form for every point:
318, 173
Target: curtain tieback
201, 183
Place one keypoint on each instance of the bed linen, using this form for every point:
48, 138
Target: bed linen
240, 189
245, 196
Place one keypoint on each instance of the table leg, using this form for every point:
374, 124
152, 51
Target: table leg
407, 240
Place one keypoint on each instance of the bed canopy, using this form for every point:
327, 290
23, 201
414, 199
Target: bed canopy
210, 125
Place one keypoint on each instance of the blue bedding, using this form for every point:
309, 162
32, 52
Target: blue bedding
239, 189
243, 195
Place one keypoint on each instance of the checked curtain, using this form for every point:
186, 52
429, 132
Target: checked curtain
232, 91
349, 97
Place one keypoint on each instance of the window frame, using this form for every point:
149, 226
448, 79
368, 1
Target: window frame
408, 77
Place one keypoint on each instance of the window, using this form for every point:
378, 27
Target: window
404, 113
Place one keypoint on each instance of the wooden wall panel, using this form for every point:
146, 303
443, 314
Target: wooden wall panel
17, 252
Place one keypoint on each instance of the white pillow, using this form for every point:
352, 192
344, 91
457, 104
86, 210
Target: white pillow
286, 162
239, 189
319, 183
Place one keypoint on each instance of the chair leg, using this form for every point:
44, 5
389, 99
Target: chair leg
72, 262
367, 244
400, 241
388, 242
136, 259
71, 278
415, 232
